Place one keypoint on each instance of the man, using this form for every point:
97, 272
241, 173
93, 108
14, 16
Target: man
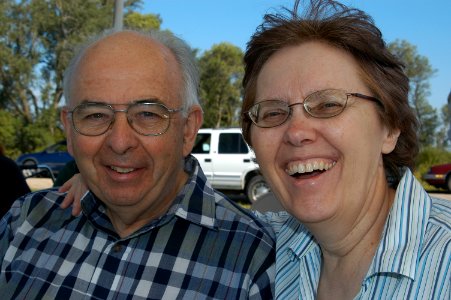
152, 227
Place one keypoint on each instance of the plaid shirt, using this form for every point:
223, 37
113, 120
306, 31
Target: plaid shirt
204, 247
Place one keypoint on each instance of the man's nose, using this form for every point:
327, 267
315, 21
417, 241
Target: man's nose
121, 136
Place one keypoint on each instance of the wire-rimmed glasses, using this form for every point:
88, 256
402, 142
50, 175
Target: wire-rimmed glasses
145, 117
321, 104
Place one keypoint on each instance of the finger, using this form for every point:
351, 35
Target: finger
68, 184
76, 207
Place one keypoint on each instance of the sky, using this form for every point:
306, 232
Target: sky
425, 24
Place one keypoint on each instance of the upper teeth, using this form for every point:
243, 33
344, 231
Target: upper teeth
121, 170
309, 167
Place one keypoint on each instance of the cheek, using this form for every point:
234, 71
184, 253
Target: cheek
167, 146
84, 147
358, 137
264, 144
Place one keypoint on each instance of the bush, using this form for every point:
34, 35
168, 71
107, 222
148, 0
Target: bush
18, 137
8, 132
427, 157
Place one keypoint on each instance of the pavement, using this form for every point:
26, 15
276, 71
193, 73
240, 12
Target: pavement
36, 184
439, 194
267, 202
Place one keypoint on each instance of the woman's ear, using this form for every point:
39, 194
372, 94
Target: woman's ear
390, 140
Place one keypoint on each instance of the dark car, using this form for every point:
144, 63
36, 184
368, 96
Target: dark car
54, 157
439, 176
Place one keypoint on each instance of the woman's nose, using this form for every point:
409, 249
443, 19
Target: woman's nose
300, 128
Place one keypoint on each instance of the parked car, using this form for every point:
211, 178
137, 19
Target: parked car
439, 176
228, 162
54, 157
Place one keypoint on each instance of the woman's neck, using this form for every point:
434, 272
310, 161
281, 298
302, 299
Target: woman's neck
348, 250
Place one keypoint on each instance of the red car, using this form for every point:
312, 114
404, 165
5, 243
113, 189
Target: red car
439, 176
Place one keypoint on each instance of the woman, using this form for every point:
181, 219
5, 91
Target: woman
326, 112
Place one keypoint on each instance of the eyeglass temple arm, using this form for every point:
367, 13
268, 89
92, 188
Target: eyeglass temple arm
362, 96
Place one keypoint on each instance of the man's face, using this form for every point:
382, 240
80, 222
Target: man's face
136, 176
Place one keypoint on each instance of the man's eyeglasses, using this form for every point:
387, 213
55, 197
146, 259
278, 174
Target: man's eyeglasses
321, 104
146, 118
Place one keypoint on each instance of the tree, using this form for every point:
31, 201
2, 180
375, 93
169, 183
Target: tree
443, 138
142, 21
18, 55
221, 70
419, 71
446, 116
37, 40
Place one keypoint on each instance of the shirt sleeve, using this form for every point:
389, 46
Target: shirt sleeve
7, 226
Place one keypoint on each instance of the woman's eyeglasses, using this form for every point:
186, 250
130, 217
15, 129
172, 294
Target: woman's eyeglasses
321, 104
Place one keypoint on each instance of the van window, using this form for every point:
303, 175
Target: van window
232, 143
202, 145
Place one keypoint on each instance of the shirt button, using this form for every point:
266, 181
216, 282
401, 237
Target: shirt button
117, 248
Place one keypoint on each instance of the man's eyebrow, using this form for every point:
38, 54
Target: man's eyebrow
148, 100
92, 101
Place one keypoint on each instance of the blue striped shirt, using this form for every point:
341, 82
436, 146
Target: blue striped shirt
412, 261
204, 247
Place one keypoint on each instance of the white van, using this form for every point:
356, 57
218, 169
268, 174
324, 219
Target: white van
228, 162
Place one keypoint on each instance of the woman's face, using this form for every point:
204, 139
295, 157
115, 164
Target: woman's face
349, 145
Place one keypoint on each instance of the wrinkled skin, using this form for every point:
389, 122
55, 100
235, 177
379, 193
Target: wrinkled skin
135, 176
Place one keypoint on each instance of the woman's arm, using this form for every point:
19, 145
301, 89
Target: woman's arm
75, 188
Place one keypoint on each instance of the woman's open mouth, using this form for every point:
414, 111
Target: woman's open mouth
309, 169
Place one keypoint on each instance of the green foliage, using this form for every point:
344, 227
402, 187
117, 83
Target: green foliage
221, 71
34, 138
142, 21
8, 132
37, 40
442, 134
18, 138
419, 71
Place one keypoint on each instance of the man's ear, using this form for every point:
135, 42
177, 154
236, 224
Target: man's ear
65, 120
390, 140
192, 125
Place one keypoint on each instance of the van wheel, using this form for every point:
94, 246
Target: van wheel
448, 183
255, 188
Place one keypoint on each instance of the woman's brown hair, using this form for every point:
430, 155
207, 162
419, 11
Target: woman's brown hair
354, 32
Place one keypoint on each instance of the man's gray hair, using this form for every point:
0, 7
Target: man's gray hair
183, 53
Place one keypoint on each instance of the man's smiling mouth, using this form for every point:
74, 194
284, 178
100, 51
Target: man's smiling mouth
122, 170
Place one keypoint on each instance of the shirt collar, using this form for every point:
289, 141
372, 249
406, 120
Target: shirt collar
194, 203
303, 241
402, 238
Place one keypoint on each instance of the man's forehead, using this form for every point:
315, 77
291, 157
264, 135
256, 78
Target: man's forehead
126, 45
134, 65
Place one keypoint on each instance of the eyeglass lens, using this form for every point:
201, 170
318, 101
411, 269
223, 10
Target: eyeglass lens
145, 118
321, 104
